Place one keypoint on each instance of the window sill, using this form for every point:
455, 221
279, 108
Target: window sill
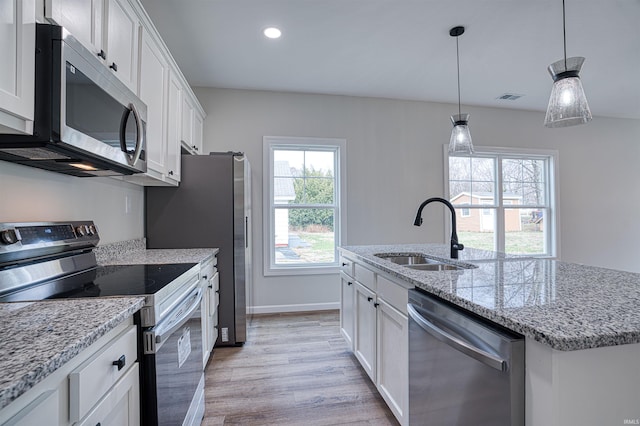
294, 271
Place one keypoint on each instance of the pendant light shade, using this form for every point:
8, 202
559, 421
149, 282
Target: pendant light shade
567, 104
460, 141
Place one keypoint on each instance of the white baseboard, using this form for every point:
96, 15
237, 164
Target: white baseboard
305, 307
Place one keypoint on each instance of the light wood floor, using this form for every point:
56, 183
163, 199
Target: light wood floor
295, 369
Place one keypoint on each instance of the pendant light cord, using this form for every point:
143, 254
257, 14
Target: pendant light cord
564, 36
458, 64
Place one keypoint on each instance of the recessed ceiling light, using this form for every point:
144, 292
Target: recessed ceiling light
272, 32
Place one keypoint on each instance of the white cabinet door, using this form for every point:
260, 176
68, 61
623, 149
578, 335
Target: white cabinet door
187, 121
365, 329
174, 127
41, 411
154, 78
198, 130
393, 359
347, 293
122, 42
82, 18
17, 65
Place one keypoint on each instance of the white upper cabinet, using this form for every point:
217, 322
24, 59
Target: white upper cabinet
192, 125
122, 42
174, 127
82, 18
17, 67
109, 28
154, 80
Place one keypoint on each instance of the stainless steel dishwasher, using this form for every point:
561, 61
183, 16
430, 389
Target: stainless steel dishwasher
462, 369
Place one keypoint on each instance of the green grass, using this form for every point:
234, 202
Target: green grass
526, 242
321, 249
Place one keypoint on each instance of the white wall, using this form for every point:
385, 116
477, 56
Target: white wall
394, 151
29, 194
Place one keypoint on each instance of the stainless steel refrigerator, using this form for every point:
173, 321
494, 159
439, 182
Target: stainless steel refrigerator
210, 208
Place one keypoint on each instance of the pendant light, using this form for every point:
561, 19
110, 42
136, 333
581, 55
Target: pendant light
460, 142
567, 104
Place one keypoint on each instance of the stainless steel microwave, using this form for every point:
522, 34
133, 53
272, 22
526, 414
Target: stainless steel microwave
86, 121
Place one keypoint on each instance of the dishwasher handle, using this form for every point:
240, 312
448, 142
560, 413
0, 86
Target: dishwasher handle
456, 343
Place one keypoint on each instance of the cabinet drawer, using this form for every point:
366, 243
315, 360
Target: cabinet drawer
346, 266
208, 270
121, 405
93, 378
365, 277
394, 294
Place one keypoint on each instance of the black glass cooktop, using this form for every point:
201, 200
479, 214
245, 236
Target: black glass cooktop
120, 280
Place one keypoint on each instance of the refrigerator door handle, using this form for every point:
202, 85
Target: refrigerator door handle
246, 232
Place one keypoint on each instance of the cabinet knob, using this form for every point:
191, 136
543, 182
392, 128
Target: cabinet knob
102, 55
375, 305
120, 362
349, 283
170, 172
344, 264
204, 277
369, 299
114, 66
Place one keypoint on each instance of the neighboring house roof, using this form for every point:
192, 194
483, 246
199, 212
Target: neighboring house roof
486, 196
283, 189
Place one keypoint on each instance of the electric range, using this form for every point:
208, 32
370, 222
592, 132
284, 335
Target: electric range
55, 260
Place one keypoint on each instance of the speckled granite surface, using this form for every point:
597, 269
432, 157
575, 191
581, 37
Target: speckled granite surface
563, 305
36, 338
133, 252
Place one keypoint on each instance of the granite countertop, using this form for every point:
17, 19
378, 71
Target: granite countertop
37, 338
134, 252
563, 305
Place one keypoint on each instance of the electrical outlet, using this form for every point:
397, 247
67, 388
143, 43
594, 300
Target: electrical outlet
127, 204
225, 334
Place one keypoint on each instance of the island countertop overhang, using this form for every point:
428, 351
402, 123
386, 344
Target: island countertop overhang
562, 305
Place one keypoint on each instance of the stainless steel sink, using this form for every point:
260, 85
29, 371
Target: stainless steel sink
420, 262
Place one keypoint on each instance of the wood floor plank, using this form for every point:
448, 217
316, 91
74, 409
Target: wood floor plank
295, 369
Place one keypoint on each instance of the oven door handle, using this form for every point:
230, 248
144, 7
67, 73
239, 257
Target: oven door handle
157, 336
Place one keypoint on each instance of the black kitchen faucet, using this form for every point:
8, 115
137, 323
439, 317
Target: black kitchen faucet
455, 245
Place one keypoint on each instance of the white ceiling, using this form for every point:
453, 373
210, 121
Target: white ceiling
402, 48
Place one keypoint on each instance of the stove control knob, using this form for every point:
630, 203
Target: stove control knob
92, 230
8, 237
81, 231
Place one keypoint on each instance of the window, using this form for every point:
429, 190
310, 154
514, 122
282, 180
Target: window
302, 203
513, 195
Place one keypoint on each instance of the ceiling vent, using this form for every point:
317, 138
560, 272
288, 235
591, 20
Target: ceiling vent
509, 97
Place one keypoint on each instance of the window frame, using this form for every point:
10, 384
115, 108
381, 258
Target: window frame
272, 143
552, 236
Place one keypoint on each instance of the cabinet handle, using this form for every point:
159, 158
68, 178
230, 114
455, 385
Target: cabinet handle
369, 299
170, 172
349, 283
98, 424
114, 66
375, 305
120, 362
344, 264
102, 55
217, 291
204, 277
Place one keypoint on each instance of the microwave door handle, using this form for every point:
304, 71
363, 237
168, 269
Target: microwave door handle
139, 134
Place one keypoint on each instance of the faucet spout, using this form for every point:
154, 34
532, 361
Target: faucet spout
455, 245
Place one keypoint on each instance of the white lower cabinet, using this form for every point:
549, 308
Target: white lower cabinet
101, 385
347, 320
211, 290
365, 335
380, 333
393, 359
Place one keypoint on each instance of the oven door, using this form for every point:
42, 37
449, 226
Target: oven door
98, 113
172, 365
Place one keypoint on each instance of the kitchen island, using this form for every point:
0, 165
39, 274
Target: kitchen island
581, 324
